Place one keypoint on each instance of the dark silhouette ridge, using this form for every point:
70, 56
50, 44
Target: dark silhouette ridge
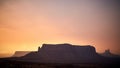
63, 53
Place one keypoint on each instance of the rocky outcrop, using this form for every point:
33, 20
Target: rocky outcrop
63, 53
107, 53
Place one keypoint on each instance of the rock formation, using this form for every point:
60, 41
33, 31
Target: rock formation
107, 53
63, 53
20, 53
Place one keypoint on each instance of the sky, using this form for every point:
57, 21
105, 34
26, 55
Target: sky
27, 24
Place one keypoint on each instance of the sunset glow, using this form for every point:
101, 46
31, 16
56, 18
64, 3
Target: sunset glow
27, 24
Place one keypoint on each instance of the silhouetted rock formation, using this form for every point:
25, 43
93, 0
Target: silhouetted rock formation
63, 53
20, 53
107, 53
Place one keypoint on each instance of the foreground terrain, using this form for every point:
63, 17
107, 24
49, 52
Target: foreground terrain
7, 63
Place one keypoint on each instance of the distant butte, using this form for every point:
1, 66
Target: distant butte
63, 53
20, 53
107, 53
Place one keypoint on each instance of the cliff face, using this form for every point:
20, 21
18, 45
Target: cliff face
63, 53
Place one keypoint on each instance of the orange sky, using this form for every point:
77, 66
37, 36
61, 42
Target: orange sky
27, 24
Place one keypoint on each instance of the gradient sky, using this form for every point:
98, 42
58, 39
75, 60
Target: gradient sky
27, 24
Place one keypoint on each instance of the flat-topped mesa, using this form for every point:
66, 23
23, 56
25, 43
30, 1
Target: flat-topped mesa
63, 53
88, 49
